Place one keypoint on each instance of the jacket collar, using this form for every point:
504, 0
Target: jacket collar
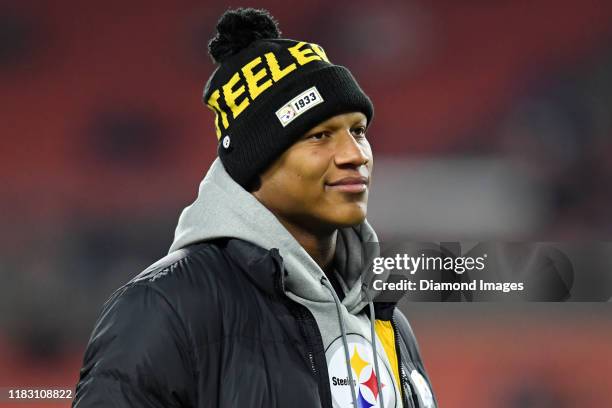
263, 268
266, 271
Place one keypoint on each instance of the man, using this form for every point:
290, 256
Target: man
262, 300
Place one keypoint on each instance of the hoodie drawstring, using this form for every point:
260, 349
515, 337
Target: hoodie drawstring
347, 355
373, 331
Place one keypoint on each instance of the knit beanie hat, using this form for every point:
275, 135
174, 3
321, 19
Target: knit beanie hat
268, 91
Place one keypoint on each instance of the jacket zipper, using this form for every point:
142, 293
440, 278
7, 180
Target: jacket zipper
407, 392
310, 332
313, 338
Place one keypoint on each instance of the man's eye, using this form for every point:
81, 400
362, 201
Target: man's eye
360, 131
317, 136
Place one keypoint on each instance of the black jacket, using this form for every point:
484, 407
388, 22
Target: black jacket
210, 326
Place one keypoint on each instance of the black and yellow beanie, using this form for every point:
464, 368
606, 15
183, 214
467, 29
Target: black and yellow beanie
268, 91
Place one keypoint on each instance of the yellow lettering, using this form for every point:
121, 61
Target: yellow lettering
277, 73
213, 104
302, 55
252, 78
231, 95
319, 51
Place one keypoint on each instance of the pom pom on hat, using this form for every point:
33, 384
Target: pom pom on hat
238, 28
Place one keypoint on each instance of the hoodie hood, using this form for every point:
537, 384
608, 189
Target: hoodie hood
223, 209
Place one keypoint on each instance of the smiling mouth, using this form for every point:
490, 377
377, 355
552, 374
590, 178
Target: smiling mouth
349, 185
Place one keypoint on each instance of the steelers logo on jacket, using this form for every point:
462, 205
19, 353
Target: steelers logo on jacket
362, 366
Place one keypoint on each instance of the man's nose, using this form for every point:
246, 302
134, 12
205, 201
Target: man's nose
349, 151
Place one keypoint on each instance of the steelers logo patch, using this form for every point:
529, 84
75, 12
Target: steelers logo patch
364, 375
285, 114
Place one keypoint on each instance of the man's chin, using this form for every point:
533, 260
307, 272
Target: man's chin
350, 218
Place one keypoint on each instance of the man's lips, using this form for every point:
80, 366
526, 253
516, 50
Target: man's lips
349, 184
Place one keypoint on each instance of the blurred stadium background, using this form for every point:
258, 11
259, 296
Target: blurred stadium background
493, 121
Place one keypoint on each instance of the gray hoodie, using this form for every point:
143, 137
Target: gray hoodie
224, 209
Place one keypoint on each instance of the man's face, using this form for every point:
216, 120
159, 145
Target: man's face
322, 181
